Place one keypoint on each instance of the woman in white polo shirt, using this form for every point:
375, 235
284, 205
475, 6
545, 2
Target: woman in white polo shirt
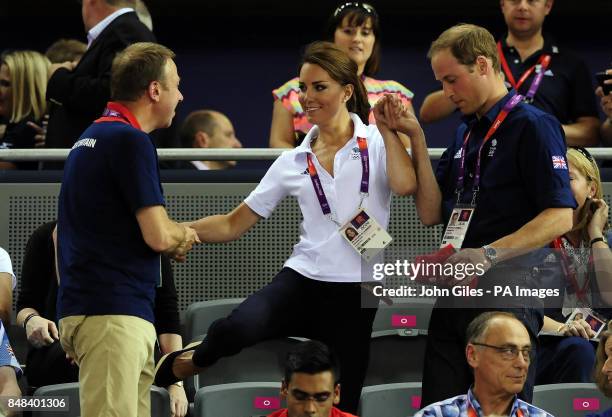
341, 166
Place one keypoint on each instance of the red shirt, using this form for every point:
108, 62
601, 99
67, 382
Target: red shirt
334, 413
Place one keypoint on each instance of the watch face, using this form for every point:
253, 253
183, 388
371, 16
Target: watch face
490, 253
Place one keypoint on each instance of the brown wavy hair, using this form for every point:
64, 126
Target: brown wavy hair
342, 69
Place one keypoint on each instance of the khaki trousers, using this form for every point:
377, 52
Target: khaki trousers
115, 358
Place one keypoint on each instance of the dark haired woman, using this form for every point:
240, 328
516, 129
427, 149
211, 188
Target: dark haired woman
342, 166
355, 28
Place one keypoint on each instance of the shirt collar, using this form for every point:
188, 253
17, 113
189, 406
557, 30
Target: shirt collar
550, 45
95, 31
493, 111
358, 131
472, 400
125, 113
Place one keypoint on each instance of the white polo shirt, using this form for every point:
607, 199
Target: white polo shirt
322, 253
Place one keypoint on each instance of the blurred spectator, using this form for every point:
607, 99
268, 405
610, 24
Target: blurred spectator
46, 363
7, 284
82, 90
23, 83
606, 106
354, 27
9, 367
9, 370
499, 353
586, 279
311, 384
64, 50
208, 129
143, 14
603, 367
566, 88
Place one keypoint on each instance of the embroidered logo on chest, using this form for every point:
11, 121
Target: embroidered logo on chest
355, 153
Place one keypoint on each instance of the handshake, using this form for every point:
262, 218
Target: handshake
179, 251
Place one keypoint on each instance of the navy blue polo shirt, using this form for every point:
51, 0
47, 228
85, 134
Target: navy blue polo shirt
104, 263
521, 173
566, 90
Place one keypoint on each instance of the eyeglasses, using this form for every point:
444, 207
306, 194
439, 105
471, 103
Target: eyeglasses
510, 352
355, 5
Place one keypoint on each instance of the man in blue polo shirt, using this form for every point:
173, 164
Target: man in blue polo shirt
112, 227
550, 76
514, 180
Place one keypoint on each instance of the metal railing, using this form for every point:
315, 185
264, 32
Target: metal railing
185, 154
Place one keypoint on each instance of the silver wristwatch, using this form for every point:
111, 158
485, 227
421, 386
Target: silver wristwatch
490, 253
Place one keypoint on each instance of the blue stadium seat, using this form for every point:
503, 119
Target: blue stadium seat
390, 400
160, 400
247, 399
575, 400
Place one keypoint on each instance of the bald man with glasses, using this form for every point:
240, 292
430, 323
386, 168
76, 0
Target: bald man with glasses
499, 352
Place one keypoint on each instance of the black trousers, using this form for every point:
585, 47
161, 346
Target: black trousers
294, 305
446, 372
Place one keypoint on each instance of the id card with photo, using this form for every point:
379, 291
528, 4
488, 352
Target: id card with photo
365, 235
457, 226
597, 323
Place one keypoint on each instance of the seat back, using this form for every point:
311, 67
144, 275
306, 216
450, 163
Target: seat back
262, 362
160, 400
199, 316
406, 316
390, 400
399, 336
576, 400
246, 399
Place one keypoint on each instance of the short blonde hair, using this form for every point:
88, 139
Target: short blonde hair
467, 42
136, 67
584, 163
28, 73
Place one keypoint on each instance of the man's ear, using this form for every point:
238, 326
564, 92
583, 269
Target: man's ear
471, 356
284, 391
549, 5
154, 91
201, 140
337, 394
482, 65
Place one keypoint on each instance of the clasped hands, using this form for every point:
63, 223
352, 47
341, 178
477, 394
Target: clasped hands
189, 239
390, 113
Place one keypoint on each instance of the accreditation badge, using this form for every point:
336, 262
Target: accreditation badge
593, 319
457, 226
365, 235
